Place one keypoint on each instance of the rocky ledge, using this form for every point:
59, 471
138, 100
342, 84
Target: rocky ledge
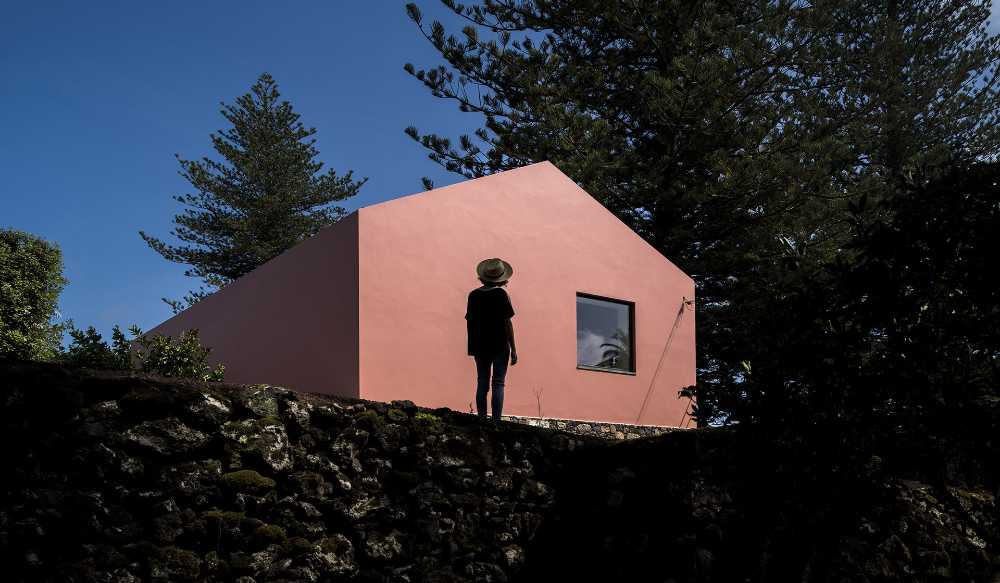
121, 478
610, 431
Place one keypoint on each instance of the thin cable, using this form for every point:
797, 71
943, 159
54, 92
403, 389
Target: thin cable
666, 347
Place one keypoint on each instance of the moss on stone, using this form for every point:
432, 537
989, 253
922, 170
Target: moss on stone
225, 516
369, 419
247, 429
247, 481
396, 415
428, 422
261, 401
177, 564
335, 544
269, 534
239, 430
298, 546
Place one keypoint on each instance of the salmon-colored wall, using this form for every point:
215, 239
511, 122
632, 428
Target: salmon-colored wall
417, 264
291, 322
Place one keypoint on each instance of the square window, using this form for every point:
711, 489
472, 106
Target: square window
605, 329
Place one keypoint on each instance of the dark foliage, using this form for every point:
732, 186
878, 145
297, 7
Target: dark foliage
900, 329
89, 349
734, 137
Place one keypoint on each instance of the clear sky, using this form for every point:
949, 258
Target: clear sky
97, 97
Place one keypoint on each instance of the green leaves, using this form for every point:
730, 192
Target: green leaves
30, 283
182, 357
88, 349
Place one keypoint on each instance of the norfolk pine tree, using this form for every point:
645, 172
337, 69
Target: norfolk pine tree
730, 135
913, 85
267, 194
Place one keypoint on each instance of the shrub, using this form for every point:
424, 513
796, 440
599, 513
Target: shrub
88, 349
183, 357
30, 282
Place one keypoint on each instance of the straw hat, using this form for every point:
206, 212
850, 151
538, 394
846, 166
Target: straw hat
494, 270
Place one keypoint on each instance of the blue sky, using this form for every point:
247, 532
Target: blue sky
97, 97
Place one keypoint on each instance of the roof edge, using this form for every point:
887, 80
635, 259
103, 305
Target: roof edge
527, 167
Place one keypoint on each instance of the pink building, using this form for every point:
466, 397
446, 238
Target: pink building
374, 306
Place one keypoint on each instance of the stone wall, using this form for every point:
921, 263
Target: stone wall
609, 431
119, 478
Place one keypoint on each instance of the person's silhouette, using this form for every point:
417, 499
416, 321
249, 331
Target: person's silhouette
491, 334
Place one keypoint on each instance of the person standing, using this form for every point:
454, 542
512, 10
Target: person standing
491, 334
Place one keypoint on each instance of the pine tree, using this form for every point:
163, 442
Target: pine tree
730, 135
268, 194
913, 85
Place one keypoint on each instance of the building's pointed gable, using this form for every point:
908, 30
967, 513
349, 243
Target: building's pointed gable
538, 194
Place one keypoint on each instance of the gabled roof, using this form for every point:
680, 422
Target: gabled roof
519, 187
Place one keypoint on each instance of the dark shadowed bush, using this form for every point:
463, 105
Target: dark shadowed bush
901, 328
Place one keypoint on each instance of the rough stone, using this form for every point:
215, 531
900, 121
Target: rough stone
260, 400
310, 484
298, 414
405, 405
174, 564
593, 429
262, 439
247, 481
384, 547
514, 555
166, 436
118, 487
485, 572
209, 408
335, 554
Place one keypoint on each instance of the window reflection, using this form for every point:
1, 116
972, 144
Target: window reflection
604, 334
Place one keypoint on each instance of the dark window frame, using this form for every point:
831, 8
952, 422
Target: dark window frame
631, 338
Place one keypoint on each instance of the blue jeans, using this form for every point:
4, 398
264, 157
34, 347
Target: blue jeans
499, 365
